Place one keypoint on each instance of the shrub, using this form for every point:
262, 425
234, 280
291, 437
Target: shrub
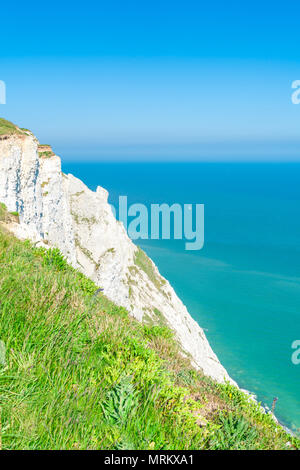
120, 402
53, 257
234, 433
85, 284
157, 331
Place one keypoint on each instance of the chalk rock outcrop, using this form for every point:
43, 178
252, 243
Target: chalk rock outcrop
59, 210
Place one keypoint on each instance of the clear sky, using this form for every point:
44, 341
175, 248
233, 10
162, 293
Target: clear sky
154, 80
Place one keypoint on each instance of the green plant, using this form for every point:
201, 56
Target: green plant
8, 128
120, 402
158, 331
187, 376
46, 154
3, 211
142, 260
53, 257
234, 433
86, 285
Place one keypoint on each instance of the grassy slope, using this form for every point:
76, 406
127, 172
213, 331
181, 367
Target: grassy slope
80, 373
8, 128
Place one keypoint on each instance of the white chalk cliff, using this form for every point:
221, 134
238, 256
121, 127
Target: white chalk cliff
59, 210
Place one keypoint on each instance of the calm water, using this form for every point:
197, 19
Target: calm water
243, 287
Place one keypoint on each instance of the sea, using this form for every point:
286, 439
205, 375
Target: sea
243, 286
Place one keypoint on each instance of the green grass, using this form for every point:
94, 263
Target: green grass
46, 154
80, 373
142, 260
8, 128
3, 212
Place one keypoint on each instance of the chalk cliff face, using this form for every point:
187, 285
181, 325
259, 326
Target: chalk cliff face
59, 210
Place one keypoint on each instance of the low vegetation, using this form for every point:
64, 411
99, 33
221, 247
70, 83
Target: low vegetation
77, 372
8, 128
143, 262
3, 212
46, 154
6, 216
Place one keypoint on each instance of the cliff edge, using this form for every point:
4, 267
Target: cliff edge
61, 211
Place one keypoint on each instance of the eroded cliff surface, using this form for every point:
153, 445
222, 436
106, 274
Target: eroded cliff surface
59, 210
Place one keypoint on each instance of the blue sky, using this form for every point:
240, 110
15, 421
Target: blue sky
154, 80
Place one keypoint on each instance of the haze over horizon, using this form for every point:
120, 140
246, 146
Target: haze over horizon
166, 81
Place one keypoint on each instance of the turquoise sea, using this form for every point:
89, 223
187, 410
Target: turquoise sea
243, 287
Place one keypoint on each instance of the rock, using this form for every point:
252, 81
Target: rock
59, 210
